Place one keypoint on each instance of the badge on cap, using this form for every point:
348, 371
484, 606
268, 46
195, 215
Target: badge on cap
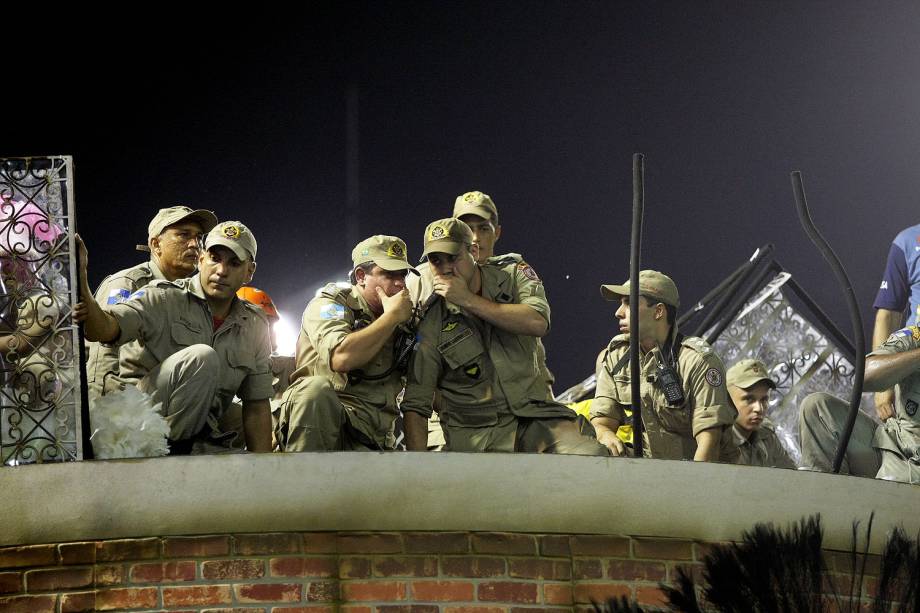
915, 332
396, 251
437, 232
474, 196
231, 231
714, 377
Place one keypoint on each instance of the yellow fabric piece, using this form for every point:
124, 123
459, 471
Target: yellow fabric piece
624, 433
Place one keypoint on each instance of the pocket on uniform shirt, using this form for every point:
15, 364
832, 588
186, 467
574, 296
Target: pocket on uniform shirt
624, 389
461, 349
184, 334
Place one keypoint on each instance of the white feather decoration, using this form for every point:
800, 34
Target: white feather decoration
126, 424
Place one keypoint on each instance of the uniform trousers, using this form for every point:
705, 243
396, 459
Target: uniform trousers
312, 418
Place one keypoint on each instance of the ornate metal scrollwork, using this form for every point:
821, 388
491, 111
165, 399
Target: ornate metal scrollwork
39, 363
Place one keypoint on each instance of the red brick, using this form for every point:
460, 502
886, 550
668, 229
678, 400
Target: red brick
555, 546
504, 543
28, 604
599, 545
226, 610
196, 546
536, 568
437, 542
588, 593
77, 553
309, 609
701, 550
632, 570
356, 609
650, 596
540, 610
474, 610
78, 602
405, 567
663, 549
442, 591
354, 568
842, 562
51, 580
196, 595
323, 591
268, 592
126, 598
370, 543
10, 583
320, 542
127, 549
506, 591
159, 572
373, 590
233, 569
32, 555
408, 608
472, 566
270, 543
302, 567
587, 569
557, 593
108, 574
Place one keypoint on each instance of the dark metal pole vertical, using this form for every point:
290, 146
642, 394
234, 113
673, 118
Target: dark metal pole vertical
634, 267
859, 338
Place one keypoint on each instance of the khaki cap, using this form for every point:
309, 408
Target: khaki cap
476, 203
652, 284
748, 372
387, 252
234, 236
174, 214
448, 235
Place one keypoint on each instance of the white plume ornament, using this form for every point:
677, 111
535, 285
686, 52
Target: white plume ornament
126, 424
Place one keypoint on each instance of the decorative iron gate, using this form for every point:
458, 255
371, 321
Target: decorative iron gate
40, 400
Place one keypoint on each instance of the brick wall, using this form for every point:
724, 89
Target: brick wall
421, 572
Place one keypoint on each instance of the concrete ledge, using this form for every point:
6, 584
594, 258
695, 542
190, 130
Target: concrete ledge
438, 492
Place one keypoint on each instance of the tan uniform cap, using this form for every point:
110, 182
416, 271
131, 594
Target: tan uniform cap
236, 237
652, 284
748, 372
387, 252
476, 203
174, 214
447, 236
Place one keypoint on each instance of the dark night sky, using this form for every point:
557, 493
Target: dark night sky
540, 105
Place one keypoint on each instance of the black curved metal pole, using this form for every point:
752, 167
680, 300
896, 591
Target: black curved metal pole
859, 339
635, 250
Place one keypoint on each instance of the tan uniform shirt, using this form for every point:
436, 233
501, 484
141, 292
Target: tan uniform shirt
166, 317
370, 404
481, 371
900, 435
761, 447
103, 362
669, 430
420, 288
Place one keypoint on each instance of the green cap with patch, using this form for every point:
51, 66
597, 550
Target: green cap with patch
652, 284
747, 373
387, 252
476, 203
448, 235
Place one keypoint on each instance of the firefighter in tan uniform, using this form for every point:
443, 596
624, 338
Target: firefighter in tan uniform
696, 423
199, 345
173, 239
890, 450
343, 391
479, 212
749, 387
478, 349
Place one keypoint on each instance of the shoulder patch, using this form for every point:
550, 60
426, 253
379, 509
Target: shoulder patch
528, 271
138, 294
714, 377
332, 311
118, 295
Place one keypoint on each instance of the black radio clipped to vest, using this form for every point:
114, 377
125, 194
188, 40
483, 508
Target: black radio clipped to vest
670, 384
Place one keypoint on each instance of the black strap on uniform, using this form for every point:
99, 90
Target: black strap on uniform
624, 359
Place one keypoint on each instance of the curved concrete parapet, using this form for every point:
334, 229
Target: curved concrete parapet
56, 503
